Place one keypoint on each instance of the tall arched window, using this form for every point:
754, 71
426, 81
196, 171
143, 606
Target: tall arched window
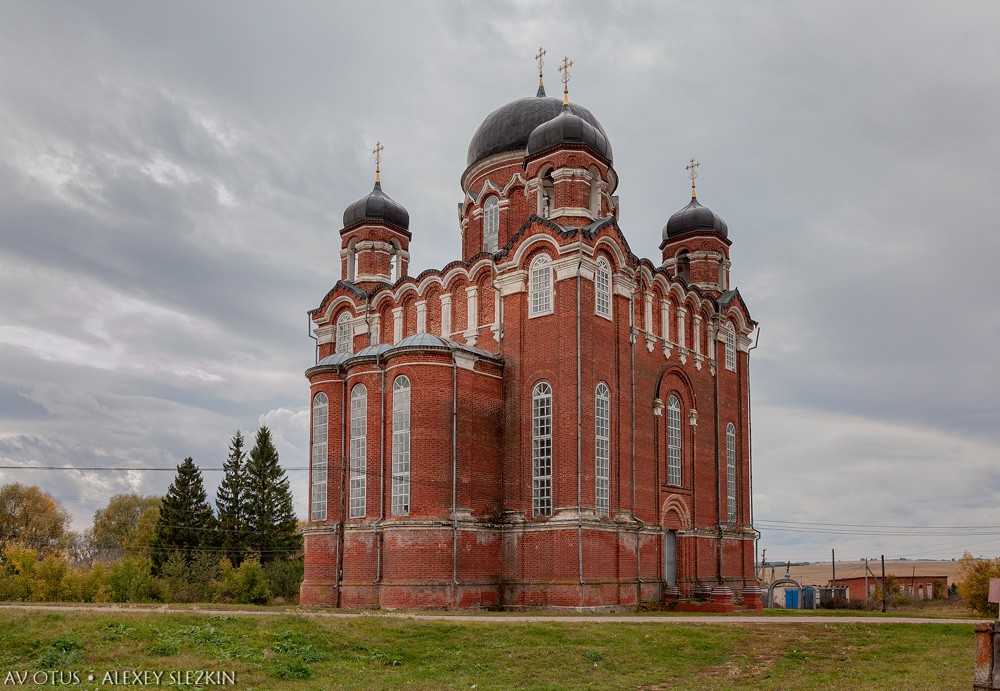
602, 288
602, 448
401, 446
546, 197
731, 472
319, 461
684, 266
491, 224
673, 441
730, 347
359, 449
540, 295
541, 450
344, 336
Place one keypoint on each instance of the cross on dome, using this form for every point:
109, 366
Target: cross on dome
378, 158
692, 173
564, 68
541, 54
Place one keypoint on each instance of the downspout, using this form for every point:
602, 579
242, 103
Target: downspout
381, 495
579, 419
454, 478
718, 459
750, 447
633, 337
343, 489
313, 336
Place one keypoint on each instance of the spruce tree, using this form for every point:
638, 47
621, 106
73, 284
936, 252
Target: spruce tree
186, 523
231, 503
270, 516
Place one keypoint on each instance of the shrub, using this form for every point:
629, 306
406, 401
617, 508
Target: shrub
246, 585
284, 577
130, 581
974, 583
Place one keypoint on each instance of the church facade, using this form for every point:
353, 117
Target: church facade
549, 420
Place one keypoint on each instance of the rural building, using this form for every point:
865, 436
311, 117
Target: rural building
920, 587
549, 420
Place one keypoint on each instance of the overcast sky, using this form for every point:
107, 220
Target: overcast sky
173, 175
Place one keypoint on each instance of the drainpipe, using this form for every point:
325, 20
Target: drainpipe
381, 495
314, 337
579, 420
718, 459
454, 479
750, 445
633, 337
343, 489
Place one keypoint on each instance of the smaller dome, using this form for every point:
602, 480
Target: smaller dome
377, 206
568, 128
694, 218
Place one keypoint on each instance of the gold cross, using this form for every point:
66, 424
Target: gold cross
541, 54
378, 158
566, 64
692, 173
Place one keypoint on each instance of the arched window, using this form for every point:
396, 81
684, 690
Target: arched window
722, 274
546, 197
352, 260
731, 472
344, 336
491, 224
401, 446
359, 449
319, 461
602, 288
394, 266
541, 286
541, 450
684, 266
730, 347
602, 448
673, 441
595, 192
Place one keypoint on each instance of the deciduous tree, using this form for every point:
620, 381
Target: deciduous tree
126, 526
31, 517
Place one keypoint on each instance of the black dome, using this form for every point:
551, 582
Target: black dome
377, 206
508, 127
568, 128
694, 218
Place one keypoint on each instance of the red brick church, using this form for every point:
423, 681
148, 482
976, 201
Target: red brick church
547, 421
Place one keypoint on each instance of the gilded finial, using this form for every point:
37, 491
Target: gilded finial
378, 159
541, 54
566, 64
691, 168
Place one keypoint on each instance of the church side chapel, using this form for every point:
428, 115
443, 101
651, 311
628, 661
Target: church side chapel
549, 421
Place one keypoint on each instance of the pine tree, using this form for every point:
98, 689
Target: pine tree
270, 517
186, 523
231, 503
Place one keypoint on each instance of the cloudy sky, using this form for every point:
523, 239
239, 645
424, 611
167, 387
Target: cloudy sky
172, 177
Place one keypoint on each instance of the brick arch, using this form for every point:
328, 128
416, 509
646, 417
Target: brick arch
675, 506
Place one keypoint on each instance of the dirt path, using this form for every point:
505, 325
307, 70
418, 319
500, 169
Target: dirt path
662, 619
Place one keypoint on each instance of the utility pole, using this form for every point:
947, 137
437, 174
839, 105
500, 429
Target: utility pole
833, 562
866, 583
883, 582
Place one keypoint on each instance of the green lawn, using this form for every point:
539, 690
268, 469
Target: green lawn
295, 652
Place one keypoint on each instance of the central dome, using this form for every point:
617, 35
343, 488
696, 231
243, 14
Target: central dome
508, 127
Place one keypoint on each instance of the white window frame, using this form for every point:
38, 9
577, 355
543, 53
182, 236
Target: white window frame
602, 288
540, 297
602, 449
345, 333
731, 473
541, 449
674, 441
359, 450
491, 224
730, 347
320, 431
401, 446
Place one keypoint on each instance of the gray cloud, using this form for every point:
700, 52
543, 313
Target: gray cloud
172, 179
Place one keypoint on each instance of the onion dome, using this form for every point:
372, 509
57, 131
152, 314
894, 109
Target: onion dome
568, 128
508, 127
377, 207
694, 218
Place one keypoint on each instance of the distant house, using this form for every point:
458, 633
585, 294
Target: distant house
916, 586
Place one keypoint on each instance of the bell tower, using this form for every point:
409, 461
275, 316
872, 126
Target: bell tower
375, 239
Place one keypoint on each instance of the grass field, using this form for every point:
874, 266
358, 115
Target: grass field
296, 652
